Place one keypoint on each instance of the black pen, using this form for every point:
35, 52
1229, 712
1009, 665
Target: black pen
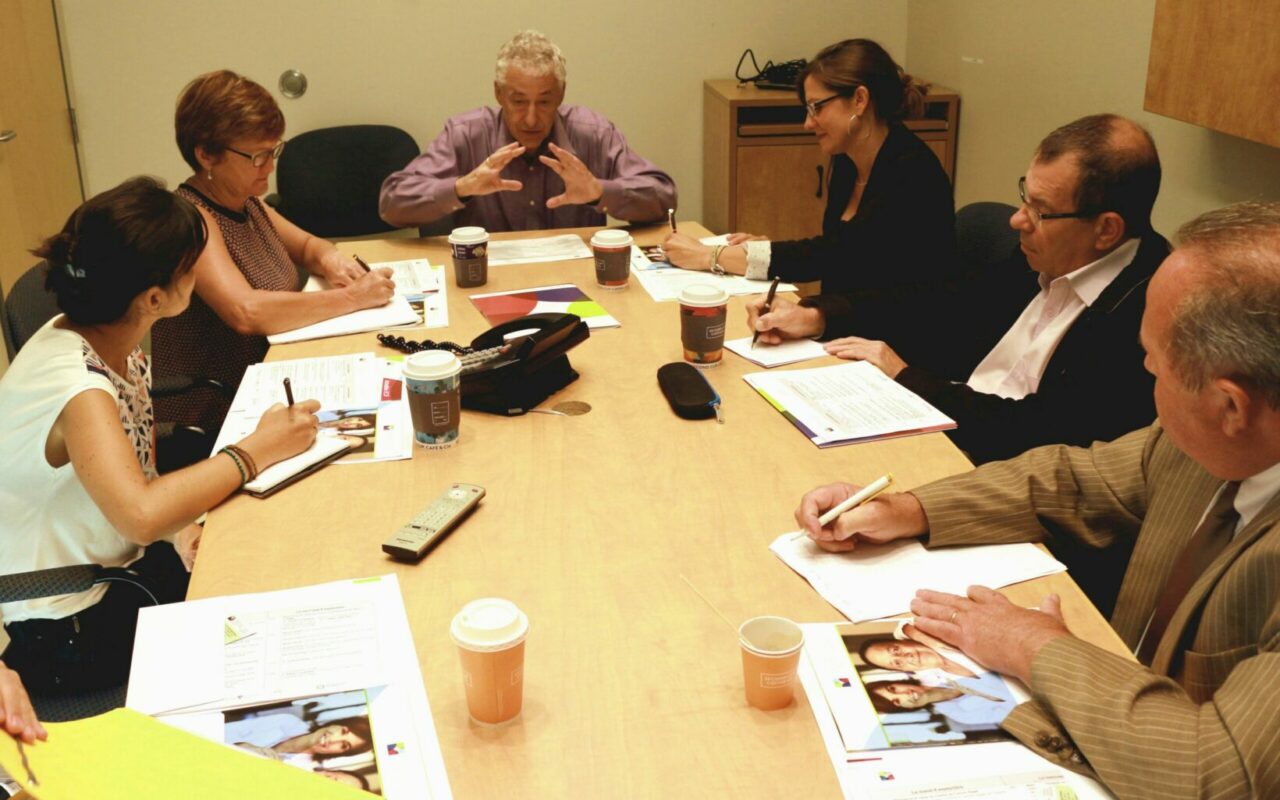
288, 392
363, 265
671, 217
768, 306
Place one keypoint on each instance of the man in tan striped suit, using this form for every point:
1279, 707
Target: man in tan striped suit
1196, 495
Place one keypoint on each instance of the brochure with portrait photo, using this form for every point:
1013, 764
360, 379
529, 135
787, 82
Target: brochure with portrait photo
888, 690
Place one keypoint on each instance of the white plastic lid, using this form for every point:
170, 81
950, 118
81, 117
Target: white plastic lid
469, 235
703, 295
611, 237
431, 365
489, 623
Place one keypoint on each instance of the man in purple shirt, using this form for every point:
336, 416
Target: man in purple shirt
531, 163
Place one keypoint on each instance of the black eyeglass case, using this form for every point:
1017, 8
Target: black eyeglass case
688, 392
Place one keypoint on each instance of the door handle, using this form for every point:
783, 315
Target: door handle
818, 194
6, 136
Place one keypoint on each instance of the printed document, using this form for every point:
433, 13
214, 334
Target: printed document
996, 770
565, 247
847, 403
261, 670
665, 285
397, 313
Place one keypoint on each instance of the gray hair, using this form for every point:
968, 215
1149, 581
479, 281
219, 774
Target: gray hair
1228, 324
531, 52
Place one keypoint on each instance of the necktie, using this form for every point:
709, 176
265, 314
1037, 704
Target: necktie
1210, 539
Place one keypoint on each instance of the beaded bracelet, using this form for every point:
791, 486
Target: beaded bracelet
250, 464
244, 478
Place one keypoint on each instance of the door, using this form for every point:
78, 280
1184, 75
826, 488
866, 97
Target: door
39, 176
782, 190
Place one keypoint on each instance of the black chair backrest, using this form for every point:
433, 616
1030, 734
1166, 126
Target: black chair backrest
983, 235
328, 179
28, 306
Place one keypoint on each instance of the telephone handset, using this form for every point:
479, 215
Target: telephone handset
510, 374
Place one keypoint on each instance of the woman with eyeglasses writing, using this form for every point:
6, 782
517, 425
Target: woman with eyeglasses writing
230, 131
78, 444
890, 216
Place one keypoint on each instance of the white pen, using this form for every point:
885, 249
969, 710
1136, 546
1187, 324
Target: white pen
866, 493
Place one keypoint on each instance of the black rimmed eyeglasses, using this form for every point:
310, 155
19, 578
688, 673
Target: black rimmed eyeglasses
816, 106
1037, 216
260, 158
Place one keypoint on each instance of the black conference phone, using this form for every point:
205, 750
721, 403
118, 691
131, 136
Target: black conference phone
509, 374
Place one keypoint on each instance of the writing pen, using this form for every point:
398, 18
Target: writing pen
864, 495
671, 217
768, 306
288, 392
363, 265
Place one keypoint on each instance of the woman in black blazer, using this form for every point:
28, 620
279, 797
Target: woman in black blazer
890, 217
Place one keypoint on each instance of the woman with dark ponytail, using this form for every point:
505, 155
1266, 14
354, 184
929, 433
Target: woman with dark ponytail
890, 217
78, 446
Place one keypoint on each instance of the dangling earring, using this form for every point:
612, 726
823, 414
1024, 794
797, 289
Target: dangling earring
848, 128
210, 176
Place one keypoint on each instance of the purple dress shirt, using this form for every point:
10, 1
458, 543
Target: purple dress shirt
634, 188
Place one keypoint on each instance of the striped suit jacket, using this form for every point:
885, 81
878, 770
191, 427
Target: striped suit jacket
1204, 719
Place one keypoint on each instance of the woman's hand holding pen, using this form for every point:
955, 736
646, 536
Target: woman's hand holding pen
884, 519
373, 288
283, 431
686, 251
785, 320
339, 270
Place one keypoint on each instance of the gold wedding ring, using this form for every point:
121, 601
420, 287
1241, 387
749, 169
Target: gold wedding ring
955, 612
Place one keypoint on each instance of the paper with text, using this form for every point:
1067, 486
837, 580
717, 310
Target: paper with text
564, 247
847, 403
665, 285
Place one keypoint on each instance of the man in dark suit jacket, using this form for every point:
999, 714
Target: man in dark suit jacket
1057, 322
1195, 498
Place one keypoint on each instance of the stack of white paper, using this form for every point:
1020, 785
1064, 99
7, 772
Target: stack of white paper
397, 313
262, 670
847, 403
665, 285
564, 247
879, 580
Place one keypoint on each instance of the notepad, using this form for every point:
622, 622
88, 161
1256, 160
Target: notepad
396, 313
847, 403
283, 473
776, 355
565, 247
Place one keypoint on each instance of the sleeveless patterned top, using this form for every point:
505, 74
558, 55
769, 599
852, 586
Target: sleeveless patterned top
197, 342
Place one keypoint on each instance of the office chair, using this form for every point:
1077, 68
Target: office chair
328, 180
69, 580
30, 305
983, 235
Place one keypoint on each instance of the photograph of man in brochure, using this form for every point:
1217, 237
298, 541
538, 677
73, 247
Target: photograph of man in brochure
924, 692
329, 735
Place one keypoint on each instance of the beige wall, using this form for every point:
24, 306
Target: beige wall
1022, 69
413, 63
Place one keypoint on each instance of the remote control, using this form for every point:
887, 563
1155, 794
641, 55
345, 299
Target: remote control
434, 522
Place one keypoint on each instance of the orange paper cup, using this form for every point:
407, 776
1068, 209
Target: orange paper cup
770, 655
490, 636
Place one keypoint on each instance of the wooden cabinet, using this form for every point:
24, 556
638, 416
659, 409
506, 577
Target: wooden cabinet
1215, 63
763, 173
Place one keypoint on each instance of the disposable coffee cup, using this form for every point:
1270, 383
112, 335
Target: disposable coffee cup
703, 311
770, 655
612, 251
435, 403
470, 256
490, 636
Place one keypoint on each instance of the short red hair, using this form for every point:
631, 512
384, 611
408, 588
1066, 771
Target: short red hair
219, 107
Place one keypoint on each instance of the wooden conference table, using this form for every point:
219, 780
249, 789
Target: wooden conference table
633, 687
